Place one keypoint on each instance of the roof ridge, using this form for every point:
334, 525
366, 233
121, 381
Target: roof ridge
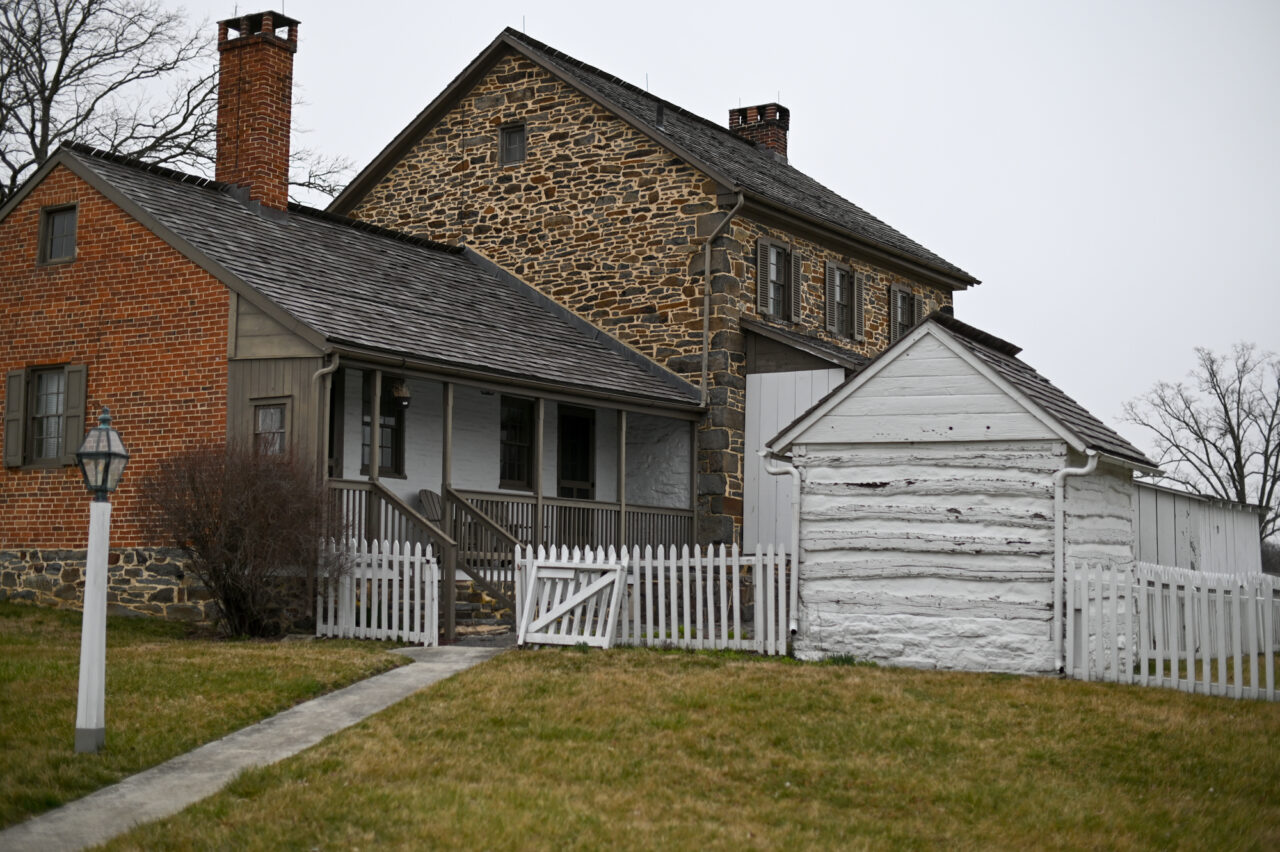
222, 186
561, 56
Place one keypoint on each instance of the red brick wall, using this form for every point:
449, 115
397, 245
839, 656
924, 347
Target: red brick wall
151, 328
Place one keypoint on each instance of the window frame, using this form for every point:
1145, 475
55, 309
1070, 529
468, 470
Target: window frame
528, 407
791, 288
286, 422
506, 131
914, 304
48, 216
854, 306
588, 485
19, 408
392, 408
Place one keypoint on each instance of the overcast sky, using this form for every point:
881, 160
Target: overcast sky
1109, 170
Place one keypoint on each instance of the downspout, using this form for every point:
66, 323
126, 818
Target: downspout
706, 293
1060, 547
776, 467
322, 450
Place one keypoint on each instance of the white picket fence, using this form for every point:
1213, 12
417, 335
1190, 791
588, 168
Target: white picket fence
717, 599
1158, 626
378, 590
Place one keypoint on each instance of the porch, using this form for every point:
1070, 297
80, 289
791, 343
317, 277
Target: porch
475, 469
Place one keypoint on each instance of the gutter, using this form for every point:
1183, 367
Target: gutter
706, 292
778, 467
322, 445
1060, 549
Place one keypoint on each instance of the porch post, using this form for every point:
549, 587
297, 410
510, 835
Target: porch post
450, 551
622, 480
539, 413
695, 533
373, 505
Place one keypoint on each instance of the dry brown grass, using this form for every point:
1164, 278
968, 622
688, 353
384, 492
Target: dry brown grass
644, 750
167, 692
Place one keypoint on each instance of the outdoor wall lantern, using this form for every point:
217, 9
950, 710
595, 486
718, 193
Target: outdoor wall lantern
400, 392
102, 458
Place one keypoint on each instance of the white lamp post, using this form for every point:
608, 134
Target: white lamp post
102, 458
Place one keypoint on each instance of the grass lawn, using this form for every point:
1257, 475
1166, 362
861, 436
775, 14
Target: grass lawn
168, 691
650, 750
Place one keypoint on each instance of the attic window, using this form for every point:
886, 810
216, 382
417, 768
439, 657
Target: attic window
511, 144
58, 234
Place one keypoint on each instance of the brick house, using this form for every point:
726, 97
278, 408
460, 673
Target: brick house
623, 206
208, 311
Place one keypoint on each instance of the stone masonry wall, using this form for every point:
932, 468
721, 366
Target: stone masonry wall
140, 581
151, 329
603, 220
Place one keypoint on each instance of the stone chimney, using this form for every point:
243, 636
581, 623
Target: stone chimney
255, 104
766, 124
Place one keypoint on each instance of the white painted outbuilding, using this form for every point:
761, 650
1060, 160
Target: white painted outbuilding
942, 488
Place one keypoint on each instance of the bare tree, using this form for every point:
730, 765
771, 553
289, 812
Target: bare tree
1220, 434
250, 525
127, 76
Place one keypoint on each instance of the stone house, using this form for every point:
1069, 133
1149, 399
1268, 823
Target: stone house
207, 311
699, 246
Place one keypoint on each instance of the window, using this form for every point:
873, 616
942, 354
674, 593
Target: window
58, 234
845, 297
779, 283
511, 144
390, 430
576, 451
515, 454
269, 428
905, 310
43, 415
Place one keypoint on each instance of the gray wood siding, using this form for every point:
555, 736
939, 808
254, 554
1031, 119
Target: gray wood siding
251, 381
927, 393
256, 335
929, 554
1190, 531
774, 400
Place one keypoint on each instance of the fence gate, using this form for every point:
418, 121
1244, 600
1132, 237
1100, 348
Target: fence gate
573, 598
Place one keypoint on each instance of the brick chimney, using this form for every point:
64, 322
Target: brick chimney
255, 104
766, 124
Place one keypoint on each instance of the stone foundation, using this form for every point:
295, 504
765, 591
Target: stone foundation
140, 581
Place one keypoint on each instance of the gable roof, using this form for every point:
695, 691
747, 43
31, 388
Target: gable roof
734, 162
342, 284
998, 359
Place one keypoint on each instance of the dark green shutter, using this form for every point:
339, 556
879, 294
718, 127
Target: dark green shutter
917, 302
830, 298
893, 314
859, 312
762, 277
73, 413
795, 295
15, 412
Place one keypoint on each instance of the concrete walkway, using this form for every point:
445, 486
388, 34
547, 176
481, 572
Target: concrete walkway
170, 787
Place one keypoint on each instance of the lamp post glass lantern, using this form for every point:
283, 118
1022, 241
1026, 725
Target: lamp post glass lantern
102, 458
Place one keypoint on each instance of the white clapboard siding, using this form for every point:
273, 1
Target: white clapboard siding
1162, 626
926, 393
932, 554
377, 590
774, 400
674, 598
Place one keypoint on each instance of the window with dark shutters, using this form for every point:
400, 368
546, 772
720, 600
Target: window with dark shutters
44, 415
779, 281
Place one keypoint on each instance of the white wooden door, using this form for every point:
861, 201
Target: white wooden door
773, 401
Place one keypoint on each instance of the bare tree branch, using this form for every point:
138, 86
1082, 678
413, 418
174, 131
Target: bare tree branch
1221, 434
127, 76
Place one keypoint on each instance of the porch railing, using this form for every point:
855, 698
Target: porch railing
582, 523
486, 551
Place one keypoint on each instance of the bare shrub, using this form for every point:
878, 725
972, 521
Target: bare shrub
250, 524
